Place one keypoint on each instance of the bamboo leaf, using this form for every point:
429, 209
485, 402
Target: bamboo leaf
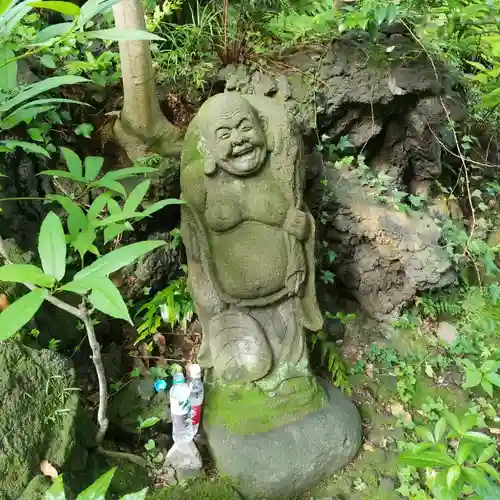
23, 115
98, 206
124, 173
52, 31
135, 198
8, 72
29, 147
61, 173
20, 312
106, 298
52, 246
73, 162
110, 184
118, 34
76, 217
93, 165
161, 204
68, 8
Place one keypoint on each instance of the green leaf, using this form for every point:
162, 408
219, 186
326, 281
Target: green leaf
440, 429
493, 378
68, 8
23, 115
454, 422
73, 162
135, 198
425, 434
149, 422
92, 8
426, 458
392, 12
53, 100
29, 147
489, 366
138, 495
453, 475
40, 87
106, 298
93, 165
125, 173
478, 437
84, 242
61, 173
113, 230
98, 205
56, 491
108, 183
487, 453
490, 470
487, 386
52, 31
52, 246
380, 14
113, 207
161, 204
8, 72
472, 378
48, 61
77, 221
98, 490
476, 476
117, 259
122, 34
25, 273
20, 312
463, 450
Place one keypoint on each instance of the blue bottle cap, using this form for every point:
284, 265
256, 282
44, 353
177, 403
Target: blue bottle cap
178, 378
160, 385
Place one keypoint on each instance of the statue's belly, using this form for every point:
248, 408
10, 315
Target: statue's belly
250, 260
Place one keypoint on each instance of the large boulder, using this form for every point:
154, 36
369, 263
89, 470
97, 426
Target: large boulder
39, 406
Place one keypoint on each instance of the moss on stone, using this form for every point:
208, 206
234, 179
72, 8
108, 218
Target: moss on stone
247, 409
197, 489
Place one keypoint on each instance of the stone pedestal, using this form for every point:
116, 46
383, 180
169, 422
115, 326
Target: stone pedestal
293, 457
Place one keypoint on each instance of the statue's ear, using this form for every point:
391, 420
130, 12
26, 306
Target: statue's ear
265, 127
210, 166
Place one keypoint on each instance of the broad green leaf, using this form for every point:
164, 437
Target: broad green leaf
440, 487
490, 366
23, 115
463, 450
93, 165
4, 4
29, 147
117, 259
80, 286
425, 434
122, 34
161, 204
380, 14
73, 162
92, 8
61, 173
478, 437
110, 184
8, 72
487, 453
98, 490
493, 378
48, 61
124, 173
472, 378
25, 273
454, 422
56, 491
40, 87
453, 475
77, 221
440, 429
52, 31
113, 207
489, 469
392, 12
149, 422
68, 8
20, 312
84, 241
426, 458
476, 476
134, 199
52, 246
138, 495
113, 230
487, 386
106, 298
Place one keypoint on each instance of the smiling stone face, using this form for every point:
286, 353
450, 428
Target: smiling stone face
235, 138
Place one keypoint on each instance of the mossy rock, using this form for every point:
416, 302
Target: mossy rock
39, 407
198, 489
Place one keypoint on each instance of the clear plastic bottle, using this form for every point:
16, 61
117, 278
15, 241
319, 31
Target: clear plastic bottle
197, 393
180, 408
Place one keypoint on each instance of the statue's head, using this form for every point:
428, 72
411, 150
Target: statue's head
232, 135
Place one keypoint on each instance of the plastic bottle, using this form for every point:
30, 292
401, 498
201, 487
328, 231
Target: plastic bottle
180, 407
197, 392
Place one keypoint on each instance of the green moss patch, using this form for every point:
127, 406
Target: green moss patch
248, 410
197, 489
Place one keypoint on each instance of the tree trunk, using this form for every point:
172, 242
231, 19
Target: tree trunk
141, 127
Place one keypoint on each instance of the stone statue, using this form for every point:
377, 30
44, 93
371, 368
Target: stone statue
249, 241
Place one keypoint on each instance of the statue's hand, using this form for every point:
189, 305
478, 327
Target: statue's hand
297, 224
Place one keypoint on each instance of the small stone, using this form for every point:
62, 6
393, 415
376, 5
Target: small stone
447, 332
